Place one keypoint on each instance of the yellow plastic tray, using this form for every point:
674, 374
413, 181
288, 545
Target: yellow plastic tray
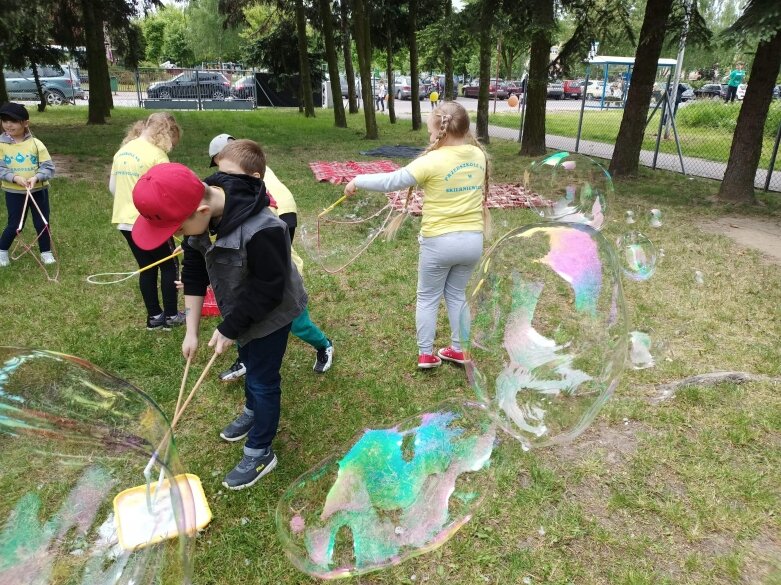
137, 527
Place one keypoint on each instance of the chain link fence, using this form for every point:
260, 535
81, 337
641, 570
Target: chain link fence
695, 141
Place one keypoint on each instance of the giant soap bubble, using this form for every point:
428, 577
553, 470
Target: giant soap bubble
395, 493
72, 438
579, 190
545, 330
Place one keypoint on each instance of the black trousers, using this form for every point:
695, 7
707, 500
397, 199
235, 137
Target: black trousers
15, 203
147, 280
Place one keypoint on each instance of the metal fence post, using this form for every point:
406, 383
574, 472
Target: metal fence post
138, 87
198, 88
582, 108
772, 164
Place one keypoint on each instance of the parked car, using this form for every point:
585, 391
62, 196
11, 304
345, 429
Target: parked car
711, 90
514, 88
496, 88
688, 94
244, 88
213, 85
555, 90
573, 88
59, 84
343, 84
595, 88
402, 88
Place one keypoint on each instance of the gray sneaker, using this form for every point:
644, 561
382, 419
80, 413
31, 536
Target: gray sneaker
250, 470
175, 320
239, 428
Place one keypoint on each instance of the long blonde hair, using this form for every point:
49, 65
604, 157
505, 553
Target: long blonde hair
454, 121
159, 128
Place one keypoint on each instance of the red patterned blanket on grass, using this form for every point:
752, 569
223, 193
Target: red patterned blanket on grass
501, 196
344, 172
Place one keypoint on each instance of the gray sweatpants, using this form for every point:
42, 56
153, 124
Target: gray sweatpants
445, 264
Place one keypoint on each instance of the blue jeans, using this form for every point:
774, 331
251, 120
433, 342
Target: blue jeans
15, 203
262, 386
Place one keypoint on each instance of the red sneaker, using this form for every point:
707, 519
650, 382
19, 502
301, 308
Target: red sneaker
452, 355
428, 361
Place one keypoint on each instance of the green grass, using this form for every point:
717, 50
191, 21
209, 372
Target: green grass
704, 128
686, 491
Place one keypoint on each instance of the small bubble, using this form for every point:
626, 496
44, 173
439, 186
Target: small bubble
699, 278
656, 218
630, 217
246, 562
244, 521
399, 530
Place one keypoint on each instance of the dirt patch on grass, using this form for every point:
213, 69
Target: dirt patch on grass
757, 233
81, 169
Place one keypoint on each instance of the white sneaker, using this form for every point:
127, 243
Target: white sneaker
47, 258
4, 260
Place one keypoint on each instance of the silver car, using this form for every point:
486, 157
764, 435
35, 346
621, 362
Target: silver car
60, 84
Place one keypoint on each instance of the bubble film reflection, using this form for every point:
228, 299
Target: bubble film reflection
71, 438
638, 255
640, 350
396, 493
656, 218
337, 236
579, 189
545, 329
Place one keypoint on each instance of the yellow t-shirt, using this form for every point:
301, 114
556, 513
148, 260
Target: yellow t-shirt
24, 158
452, 179
130, 162
285, 204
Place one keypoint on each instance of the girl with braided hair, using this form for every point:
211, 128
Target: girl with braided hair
453, 173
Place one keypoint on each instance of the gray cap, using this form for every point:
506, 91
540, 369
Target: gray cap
217, 144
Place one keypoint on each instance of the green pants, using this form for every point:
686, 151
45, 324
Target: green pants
305, 330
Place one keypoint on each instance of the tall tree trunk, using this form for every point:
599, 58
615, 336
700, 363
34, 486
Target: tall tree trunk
448, 54
533, 139
626, 154
3, 91
486, 46
38, 88
364, 45
413, 64
340, 120
389, 73
303, 53
109, 101
96, 57
349, 72
738, 183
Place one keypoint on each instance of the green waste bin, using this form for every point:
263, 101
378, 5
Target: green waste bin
114, 84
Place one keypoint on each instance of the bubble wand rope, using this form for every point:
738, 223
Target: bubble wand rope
117, 277
28, 248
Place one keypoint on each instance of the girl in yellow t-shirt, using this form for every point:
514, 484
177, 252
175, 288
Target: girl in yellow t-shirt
453, 172
146, 144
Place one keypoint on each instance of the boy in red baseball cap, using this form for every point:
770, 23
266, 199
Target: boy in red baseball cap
258, 291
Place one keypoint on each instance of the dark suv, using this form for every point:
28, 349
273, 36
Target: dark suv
213, 85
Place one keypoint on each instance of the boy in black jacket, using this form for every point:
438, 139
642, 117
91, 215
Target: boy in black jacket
257, 289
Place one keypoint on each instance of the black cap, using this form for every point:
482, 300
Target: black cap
14, 111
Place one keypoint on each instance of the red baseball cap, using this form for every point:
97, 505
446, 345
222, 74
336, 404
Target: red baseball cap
165, 196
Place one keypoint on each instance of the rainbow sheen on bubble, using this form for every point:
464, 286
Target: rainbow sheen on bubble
545, 330
638, 255
577, 188
640, 350
396, 493
71, 438
338, 236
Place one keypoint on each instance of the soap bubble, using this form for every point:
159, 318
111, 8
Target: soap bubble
699, 277
394, 494
638, 255
545, 330
338, 235
656, 218
71, 439
578, 188
640, 350
630, 217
